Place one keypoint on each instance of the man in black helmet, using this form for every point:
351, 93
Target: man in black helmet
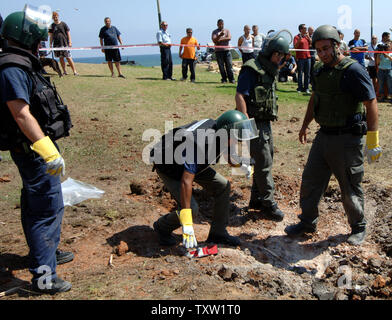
27, 130
178, 167
342, 86
256, 97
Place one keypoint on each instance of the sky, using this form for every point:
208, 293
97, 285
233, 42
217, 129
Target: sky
138, 20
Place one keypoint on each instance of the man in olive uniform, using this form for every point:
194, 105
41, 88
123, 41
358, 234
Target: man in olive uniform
256, 97
208, 140
342, 88
30, 119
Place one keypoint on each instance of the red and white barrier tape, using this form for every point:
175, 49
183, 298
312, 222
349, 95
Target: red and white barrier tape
179, 45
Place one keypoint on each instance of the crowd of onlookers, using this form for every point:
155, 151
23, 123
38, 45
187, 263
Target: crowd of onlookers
376, 56
297, 65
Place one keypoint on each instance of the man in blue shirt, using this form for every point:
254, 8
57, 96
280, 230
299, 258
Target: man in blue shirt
110, 36
359, 45
33, 151
164, 41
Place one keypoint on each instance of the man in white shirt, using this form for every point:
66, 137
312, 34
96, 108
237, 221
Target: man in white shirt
164, 41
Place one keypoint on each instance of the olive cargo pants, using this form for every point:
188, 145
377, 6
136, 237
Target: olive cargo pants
262, 151
215, 185
341, 155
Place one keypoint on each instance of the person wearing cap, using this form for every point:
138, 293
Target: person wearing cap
30, 139
186, 155
344, 104
256, 97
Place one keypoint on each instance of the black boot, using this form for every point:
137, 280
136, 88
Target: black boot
357, 236
56, 286
165, 238
255, 204
64, 257
274, 213
224, 238
299, 229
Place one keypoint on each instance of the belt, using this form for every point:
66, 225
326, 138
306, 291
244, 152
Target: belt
336, 131
22, 149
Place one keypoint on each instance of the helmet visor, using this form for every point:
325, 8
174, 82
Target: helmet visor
246, 130
41, 17
281, 34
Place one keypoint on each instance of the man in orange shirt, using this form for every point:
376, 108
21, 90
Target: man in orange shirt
188, 55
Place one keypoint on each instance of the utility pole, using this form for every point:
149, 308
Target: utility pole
159, 13
371, 31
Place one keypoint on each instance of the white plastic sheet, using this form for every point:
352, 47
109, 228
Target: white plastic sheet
75, 192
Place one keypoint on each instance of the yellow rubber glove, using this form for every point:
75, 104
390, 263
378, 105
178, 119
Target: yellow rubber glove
373, 150
48, 151
188, 234
247, 170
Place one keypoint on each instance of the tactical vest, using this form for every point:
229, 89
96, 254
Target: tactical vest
262, 101
166, 154
332, 106
45, 104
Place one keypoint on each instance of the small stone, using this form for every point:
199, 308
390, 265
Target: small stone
122, 249
356, 297
386, 293
379, 283
193, 288
166, 273
170, 260
375, 263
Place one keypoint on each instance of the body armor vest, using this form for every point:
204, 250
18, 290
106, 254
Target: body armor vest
262, 101
332, 106
45, 104
194, 142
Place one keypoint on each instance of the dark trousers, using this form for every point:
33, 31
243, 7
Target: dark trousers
191, 64
215, 185
247, 56
166, 63
42, 210
225, 63
342, 156
303, 74
262, 151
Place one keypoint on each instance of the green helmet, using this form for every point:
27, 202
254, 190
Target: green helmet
22, 30
277, 42
244, 128
325, 32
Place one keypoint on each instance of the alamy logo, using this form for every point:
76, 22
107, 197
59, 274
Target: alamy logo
345, 17
45, 281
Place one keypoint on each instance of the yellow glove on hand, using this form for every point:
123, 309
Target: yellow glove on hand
48, 151
188, 234
247, 170
373, 150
